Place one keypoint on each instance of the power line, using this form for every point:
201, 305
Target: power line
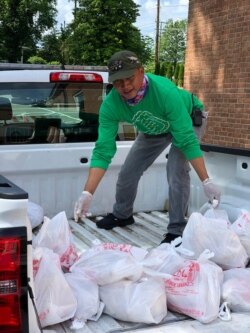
174, 5
169, 6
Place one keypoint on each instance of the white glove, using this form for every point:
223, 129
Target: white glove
212, 192
82, 205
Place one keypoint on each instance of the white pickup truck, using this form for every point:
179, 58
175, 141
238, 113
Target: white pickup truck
48, 125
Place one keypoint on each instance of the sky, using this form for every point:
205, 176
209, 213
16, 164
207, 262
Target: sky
146, 22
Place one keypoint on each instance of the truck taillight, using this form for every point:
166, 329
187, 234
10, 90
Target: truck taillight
13, 280
75, 77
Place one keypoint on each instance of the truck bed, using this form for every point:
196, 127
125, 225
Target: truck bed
147, 232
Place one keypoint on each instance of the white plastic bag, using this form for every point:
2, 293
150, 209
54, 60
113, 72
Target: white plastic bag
203, 233
235, 289
242, 228
56, 235
55, 300
229, 204
215, 213
108, 266
35, 213
164, 258
86, 292
143, 301
195, 289
137, 252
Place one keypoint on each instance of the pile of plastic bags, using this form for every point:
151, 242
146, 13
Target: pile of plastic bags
197, 278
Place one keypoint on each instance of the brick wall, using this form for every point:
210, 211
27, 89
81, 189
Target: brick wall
217, 67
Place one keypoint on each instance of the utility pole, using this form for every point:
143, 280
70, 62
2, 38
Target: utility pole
75, 8
24, 48
157, 35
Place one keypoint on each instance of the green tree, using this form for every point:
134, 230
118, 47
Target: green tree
163, 69
141, 45
36, 60
170, 71
157, 69
176, 73
50, 47
101, 28
22, 23
173, 42
181, 76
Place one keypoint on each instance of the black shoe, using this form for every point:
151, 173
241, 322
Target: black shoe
169, 238
110, 222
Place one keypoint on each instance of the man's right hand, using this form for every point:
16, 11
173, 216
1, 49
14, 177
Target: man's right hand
82, 205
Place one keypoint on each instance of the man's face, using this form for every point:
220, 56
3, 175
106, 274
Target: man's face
129, 87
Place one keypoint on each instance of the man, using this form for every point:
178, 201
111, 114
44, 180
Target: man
161, 112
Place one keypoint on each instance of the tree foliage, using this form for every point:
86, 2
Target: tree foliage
176, 73
36, 60
22, 23
170, 71
173, 42
181, 76
101, 28
50, 47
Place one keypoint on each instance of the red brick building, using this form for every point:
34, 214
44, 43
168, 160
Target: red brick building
217, 67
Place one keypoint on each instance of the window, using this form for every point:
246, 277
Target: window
44, 112
32, 112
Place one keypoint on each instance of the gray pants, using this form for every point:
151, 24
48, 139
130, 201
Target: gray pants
141, 155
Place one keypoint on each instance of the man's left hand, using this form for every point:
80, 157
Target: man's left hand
212, 192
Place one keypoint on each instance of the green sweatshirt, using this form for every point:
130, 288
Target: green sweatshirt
165, 108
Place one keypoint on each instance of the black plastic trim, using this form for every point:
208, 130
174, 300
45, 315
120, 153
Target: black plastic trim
9, 190
226, 150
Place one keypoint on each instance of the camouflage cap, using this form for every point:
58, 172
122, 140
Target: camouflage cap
122, 65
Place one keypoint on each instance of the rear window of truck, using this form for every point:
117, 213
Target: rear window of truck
53, 112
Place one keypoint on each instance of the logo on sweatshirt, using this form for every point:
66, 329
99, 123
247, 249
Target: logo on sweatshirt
149, 124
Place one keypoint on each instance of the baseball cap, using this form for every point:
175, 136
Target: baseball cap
122, 65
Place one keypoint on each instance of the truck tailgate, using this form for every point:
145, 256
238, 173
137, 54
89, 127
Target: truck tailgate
147, 232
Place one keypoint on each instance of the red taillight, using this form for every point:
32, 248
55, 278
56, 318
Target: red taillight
75, 77
10, 285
